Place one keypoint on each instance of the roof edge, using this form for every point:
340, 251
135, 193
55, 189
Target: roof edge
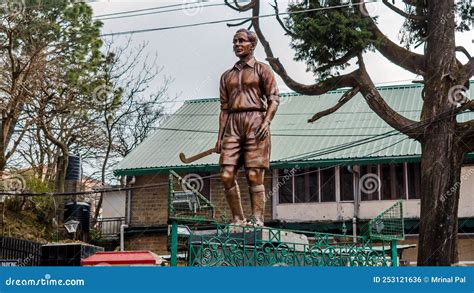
275, 165
340, 90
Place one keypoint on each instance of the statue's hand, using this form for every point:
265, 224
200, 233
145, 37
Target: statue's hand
218, 146
263, 131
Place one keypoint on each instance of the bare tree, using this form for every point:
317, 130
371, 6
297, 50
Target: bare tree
67, 119
128, 112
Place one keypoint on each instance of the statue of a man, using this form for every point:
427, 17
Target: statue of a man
249, 100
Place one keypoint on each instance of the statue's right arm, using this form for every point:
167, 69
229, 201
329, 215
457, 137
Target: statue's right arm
222, 121
224, 112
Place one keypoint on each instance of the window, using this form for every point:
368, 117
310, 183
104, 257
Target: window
285, 186
393, 183
346, 184
376, 182
328, 184
414, 180
306, 185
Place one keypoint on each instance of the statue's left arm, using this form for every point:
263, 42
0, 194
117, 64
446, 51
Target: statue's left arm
273, 99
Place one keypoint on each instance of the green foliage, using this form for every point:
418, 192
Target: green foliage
43, 206
36, 185
62, 32
45, 209
322, 37
95, 234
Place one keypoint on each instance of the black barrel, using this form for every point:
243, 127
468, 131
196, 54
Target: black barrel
73, 171
79, 211
66, 254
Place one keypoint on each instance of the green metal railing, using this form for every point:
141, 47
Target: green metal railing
389, 224
234, 245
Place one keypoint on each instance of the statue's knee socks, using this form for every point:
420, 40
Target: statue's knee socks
257, 199
233, 199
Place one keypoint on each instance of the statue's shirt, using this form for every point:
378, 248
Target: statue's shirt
248, 87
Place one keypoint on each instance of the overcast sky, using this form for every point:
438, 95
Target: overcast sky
195, 57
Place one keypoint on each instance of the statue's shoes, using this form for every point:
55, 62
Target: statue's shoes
238, 222
256, 223
236, 226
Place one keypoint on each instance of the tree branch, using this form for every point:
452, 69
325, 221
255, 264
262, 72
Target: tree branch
356, 79
375, 101
239, 23
402, 57
347, 80
17, 142
403, 13
337, 62
240, 8
464, 51
280, 21
344, 99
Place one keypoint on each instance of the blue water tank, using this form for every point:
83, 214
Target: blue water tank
73, 171
79, 211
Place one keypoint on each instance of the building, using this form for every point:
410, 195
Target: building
318, 171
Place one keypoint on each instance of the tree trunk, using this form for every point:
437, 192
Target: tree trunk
103, 170
61, 173
440, 177
3, 161
442, 153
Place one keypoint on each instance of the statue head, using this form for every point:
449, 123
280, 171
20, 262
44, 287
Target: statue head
244, 42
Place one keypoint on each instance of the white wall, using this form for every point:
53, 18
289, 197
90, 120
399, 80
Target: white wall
113, 204
466, 200
338, 211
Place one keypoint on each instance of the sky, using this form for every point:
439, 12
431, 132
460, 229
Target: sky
195, 57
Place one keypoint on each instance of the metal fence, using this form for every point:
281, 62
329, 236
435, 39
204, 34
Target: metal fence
109, 227
231, 245
24, 252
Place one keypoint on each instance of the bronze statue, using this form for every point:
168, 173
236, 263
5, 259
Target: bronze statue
249, 100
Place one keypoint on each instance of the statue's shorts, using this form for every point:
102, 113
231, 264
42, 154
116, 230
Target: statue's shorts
239, 144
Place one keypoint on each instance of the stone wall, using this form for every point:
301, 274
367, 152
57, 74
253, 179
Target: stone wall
156, 243
149, 206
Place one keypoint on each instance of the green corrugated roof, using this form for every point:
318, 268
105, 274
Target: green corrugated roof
193, 129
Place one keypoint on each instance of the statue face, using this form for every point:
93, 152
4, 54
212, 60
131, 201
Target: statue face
242, 45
